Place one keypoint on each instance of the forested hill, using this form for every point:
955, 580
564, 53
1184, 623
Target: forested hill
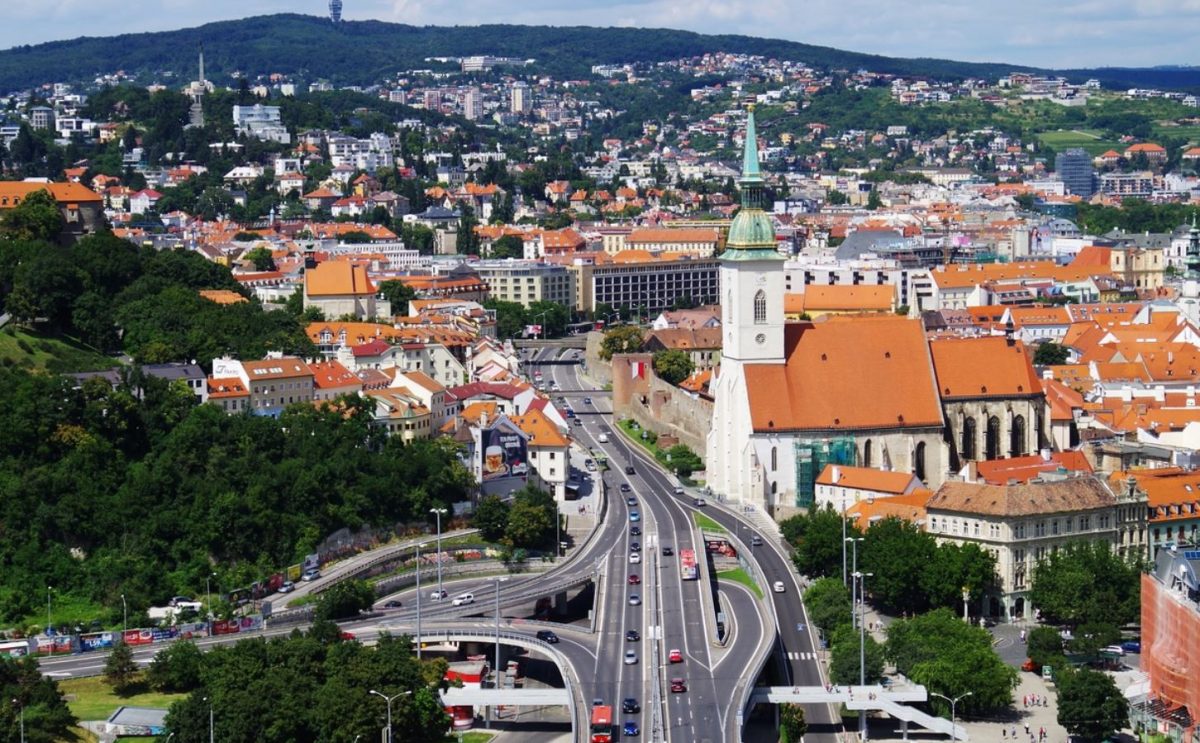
362, 52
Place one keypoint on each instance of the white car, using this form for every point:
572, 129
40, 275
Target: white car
437, 595
463, 599
287, 587
635, 557
1114, 649
630, 657
602, 438
778, 587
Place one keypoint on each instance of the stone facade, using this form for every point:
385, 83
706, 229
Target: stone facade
656, 405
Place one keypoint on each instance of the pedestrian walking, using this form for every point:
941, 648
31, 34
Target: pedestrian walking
1027, 730
1013, 732
1003, 733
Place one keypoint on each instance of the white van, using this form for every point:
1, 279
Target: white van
463, 599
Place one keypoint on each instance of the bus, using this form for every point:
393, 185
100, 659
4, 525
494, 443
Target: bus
602, 724
687, 564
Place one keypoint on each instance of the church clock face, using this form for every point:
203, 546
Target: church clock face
760, 339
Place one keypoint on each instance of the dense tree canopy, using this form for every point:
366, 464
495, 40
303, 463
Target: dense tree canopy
621, 339
1086, 583
22, 686
673, 366
1090, 705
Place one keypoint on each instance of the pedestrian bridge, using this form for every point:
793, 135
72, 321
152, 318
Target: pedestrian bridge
475, 696
864, 698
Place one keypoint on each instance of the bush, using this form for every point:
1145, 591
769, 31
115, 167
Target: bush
344, 600
176, 668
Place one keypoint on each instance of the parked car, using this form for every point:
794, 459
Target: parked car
678, 686
463, 599
1132, 646
674, 656
1029, 665
546, 635
287, 587
1114, 650
630, 706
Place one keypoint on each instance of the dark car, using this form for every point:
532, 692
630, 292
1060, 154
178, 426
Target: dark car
635, 547
546, 635
631, 501
667, 551
1132, 646
635, 531
625, 487
629, 469
678, 686
632, 636
630, 706
392, 604
630, 729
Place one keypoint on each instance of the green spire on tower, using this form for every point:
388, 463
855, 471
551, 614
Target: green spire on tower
752, 234
751, 175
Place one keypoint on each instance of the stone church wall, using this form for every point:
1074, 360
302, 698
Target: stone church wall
656, 405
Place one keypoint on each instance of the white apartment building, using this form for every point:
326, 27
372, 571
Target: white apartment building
526, 282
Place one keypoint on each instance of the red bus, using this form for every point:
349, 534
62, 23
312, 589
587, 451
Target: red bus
687, 564
602, 724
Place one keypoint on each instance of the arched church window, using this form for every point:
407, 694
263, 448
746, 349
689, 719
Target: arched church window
760, 308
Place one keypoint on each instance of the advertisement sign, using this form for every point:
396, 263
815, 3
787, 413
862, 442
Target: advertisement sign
55, 645
16, 648
97, 641
503, 453
238, 625
139, 637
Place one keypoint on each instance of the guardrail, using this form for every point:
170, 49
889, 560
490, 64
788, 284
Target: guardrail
394, 553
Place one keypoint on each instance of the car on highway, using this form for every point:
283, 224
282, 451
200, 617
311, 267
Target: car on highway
635, 546
678, 490
287, 587
667, 551
625, 488
546, 635
310, 574
635, 557
678, 686
392, 604
437, 595
630, 706
674, 656
631, 501
630, 657
634, 599
635, 516
755, 541
602, 438
579, 421
629, 469
634, 579
778, 587
635, 531
630, 729
347, 636
698, 502
632, 636
569, 413
463, 599
587, 401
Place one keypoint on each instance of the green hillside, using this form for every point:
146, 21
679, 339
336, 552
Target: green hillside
362, 52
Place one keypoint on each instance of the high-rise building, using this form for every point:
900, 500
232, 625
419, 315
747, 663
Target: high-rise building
473, 104
1074, 168
522, 99
335, 10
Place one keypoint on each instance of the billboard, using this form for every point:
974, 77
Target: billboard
503, 454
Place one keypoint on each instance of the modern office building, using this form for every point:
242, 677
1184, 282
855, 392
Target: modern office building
1074, 168
525, 282
646, 284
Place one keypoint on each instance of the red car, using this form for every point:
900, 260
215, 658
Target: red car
678, 686
348, 636
1030, 666
674, 656
634, 579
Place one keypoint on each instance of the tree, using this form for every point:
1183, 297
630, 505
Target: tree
673, 365
491, 518
683, 461
344, 600
836, 197
466, 240
1086, 582
845, 655
623, 339
1089, 704
120, 669
261, 258
508, 246
792, 722
511, 317
1050, 353
531, 519
398, 294
552, 316
176, 668
1090, 637
897, 552
828, 604
24, 688
355, 237
950, 656
1044, 646
35, 218
873, 200
818, 545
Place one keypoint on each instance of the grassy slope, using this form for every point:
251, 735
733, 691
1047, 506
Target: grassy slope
93, 699
60, 355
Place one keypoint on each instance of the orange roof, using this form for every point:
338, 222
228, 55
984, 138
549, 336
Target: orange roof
222, 296
226, 388
1023, 469
1063, 400
844, 297
285, 368
356, 332
331, 374
336, 278
969, 275
983, 367
909, 508
847, 374
541, 431
1094, 256
865, 478
1165, 487
1146, 147
11, 192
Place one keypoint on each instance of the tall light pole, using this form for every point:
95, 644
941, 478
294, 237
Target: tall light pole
844, 583
49, 624
211, 736
496, 670
854, 570
966, 611
208, 599
542, 326
953, 703
439, 512
419, 601
124, 617
18, 705
862, 646
389, 701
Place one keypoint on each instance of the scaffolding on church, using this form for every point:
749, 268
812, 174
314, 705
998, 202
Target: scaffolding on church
812, 456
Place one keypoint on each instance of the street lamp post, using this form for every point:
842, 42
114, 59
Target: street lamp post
18, 705
542, 326
844, 583
211, 735
854, 570
389, 701
419, 601
862, 646
124, 617
953, 704
208, 599
439, 512
496, 670
49, 623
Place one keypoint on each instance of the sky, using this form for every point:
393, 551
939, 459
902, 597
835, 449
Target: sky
1041, 33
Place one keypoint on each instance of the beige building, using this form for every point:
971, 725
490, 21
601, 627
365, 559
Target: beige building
698, 241
273, 383
341, 289
1022, 524
401, 414
525, 282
